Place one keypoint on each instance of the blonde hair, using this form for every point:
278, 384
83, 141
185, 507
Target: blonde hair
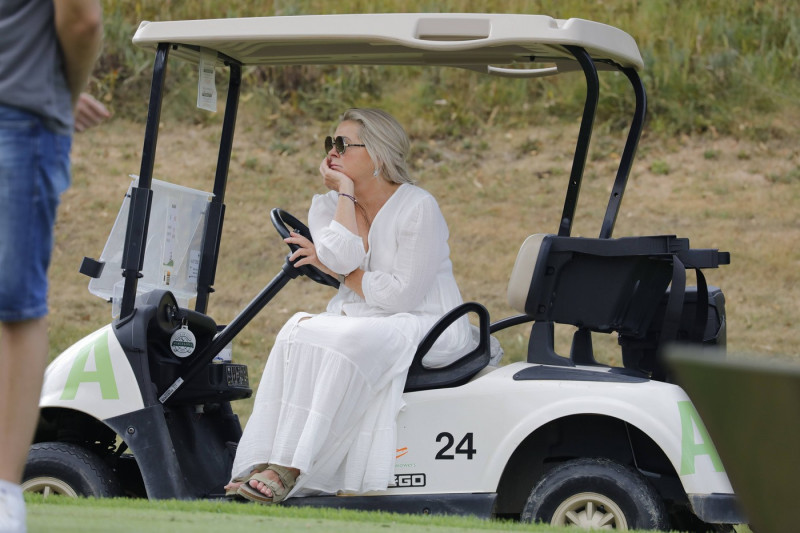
386, 142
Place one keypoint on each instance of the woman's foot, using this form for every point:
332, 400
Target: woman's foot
273, 476
233, 485
271, 486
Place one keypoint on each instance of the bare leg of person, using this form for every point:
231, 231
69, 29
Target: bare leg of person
23, 357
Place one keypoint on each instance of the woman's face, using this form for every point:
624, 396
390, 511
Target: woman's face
355, 161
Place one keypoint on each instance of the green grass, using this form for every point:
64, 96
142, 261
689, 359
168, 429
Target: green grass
64, 515
58, 514
713, 66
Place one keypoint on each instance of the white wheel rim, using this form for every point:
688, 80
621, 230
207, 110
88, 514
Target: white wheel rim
46, 486
589, 510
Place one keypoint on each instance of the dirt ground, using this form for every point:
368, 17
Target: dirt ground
494, 189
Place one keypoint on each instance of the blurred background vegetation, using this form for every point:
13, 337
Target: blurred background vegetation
718, 161
710, 66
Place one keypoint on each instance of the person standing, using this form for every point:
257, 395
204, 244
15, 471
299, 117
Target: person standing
48, 49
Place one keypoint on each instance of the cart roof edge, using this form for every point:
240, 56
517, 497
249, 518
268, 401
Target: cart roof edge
458, 39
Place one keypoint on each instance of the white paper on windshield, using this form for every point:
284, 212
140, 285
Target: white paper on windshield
206, 85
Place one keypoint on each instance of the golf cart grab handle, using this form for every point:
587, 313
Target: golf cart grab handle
522, 72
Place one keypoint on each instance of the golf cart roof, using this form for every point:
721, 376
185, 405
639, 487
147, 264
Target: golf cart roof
475, 41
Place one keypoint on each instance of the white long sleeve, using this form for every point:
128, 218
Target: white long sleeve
337, 247
420, 253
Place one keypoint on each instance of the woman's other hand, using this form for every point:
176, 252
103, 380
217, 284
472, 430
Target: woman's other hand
306, 254
333, 178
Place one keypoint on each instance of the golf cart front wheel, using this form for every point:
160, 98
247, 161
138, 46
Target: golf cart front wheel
69, 470
594, 494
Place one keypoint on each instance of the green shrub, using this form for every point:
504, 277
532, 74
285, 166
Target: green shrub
729, 67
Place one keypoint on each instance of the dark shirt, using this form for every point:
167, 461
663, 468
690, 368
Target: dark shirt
31, 66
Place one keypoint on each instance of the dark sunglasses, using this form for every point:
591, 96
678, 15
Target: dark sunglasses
339, 143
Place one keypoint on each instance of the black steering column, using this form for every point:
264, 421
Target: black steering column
288, 272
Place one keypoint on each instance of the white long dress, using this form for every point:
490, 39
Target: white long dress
332, 387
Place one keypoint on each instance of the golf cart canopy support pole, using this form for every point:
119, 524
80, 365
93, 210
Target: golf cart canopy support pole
141, 196
628, 154
584, 136
216, 209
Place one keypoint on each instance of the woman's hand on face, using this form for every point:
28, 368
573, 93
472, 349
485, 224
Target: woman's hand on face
334, 179
306, 254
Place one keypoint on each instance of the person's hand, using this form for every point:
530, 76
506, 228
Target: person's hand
306, 254
334, 179
89, 112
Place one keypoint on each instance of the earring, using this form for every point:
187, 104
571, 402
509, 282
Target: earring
376, 172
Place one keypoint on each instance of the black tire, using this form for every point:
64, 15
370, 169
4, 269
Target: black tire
68, 469
591, 493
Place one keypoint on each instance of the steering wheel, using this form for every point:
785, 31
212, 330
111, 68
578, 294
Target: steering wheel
282, 222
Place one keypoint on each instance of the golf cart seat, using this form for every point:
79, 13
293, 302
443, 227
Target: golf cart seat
612, 285
461, 370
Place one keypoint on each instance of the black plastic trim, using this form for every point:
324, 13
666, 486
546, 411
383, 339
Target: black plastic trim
584, 137
141, 196
147, 436
628, 154
216, 211
717, 508
480, 505
551, 373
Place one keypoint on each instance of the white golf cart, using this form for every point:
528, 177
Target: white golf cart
143, 406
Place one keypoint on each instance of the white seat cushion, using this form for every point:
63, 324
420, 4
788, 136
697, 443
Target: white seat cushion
522, 273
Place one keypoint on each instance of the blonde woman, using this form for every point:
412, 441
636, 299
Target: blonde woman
325, 411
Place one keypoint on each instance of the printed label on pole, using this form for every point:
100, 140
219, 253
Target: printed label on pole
194, 266
206, 85
171, 390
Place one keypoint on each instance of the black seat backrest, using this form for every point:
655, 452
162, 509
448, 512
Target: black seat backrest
602, 285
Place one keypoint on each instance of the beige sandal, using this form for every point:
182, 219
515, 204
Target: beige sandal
279, 490
244, 479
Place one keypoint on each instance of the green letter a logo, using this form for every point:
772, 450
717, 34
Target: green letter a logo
690, 449
103, 374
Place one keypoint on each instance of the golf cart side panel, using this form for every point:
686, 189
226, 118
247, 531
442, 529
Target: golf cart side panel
93, 376
461, 425
411, 38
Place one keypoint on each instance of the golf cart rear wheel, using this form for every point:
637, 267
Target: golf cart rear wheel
593, 494
69, 470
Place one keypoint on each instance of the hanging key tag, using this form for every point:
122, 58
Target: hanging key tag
183, 342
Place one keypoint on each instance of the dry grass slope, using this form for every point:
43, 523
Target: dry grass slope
495, 190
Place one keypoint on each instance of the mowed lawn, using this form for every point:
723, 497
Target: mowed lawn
59, 514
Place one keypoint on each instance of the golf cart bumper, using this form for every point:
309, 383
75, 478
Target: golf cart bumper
717, 508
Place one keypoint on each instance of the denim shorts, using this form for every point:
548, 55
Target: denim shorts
34, 171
